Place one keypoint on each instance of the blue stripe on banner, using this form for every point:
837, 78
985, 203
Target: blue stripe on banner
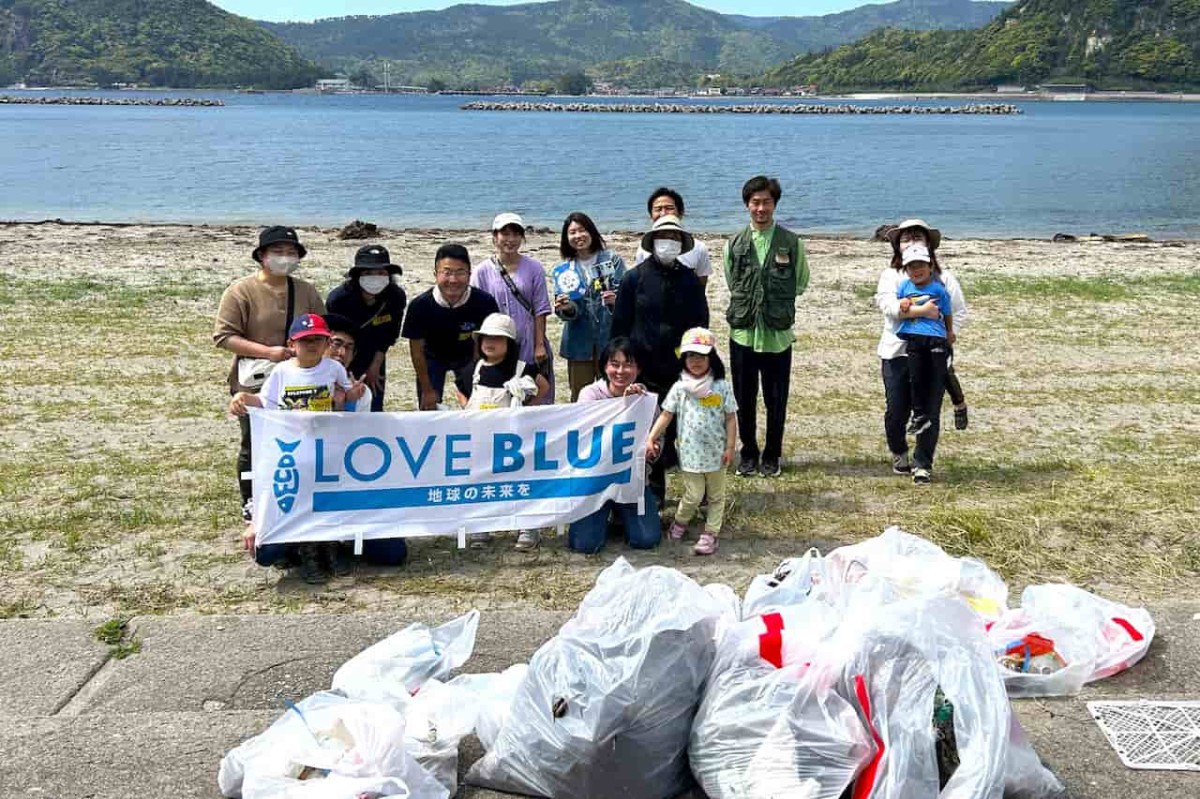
475, 494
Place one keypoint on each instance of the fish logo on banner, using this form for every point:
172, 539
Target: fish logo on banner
287, 476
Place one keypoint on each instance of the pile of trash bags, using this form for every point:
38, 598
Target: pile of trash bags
882, 670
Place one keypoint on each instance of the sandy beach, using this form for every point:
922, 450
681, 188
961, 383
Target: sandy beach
117, 493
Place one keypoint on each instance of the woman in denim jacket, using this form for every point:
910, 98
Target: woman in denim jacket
585, 289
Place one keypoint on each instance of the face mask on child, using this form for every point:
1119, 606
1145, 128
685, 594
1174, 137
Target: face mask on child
667, 250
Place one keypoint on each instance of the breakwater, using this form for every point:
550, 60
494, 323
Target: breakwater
983, 109
172, 102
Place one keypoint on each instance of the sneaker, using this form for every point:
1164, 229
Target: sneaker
770, 467
707, 544
901, 464
747, 466
341, 559
920, 475
919, 425
312, 566
960, 418
478, 540
677, 531
528, 540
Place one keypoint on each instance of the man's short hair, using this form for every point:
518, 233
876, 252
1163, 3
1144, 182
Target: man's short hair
663, 191
455, 252
761, 183
341, 324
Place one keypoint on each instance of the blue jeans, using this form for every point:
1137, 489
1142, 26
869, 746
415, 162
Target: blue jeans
376, 551
641, 532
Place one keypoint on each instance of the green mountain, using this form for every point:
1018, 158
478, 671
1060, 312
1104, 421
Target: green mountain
1107, 43
180, 43
474, 45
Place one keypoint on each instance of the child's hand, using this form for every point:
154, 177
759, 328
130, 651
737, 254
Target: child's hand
237, 405
951, 337
727, 456
248, 538
905, 305
356, 390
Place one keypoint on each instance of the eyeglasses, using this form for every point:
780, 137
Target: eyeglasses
340, 344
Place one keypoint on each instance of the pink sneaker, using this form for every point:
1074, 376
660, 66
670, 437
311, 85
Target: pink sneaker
707, 544
677, 531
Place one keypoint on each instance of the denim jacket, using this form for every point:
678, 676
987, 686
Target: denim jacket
587, 320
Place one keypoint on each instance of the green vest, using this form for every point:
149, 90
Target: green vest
763, 294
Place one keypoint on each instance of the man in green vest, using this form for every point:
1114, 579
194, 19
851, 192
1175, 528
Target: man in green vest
766, 270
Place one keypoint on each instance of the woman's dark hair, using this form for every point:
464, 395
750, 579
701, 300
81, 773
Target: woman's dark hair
621, 345
898, 261
583, 219
715, 364
456, 252
761, 183
663, 191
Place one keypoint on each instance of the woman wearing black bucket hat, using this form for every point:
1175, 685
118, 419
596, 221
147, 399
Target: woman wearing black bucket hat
253, 321
372, 300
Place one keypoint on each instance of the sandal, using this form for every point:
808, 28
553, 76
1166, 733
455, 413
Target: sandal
677, 531
707, 544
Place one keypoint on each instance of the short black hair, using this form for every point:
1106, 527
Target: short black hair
761, 183
341, 324
621, 345
455, 252
663, 191
564, 246
715, 364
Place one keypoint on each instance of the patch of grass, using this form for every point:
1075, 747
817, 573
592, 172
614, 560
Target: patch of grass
20, 608
116, 635
1051, 289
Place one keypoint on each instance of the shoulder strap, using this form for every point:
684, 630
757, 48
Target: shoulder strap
291, 311
512, 286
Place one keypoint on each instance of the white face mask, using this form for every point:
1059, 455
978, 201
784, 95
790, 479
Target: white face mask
282, 264
373, 284
667, 250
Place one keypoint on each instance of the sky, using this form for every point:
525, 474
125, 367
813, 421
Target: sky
307, 10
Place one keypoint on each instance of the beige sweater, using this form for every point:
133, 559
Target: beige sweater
254, 309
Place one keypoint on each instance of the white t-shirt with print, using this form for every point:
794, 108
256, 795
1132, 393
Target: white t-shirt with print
701, 425
291, 387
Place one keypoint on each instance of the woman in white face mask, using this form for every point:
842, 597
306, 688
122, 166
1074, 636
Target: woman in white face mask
374, 302
252, 323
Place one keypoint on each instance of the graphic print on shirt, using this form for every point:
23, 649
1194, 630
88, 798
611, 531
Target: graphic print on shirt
306, 398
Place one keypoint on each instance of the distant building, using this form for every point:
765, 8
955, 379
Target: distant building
1065, 88
333, 85
1007, 88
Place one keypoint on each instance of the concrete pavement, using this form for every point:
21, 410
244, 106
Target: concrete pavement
76, 722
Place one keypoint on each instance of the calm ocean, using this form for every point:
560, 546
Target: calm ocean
404, 161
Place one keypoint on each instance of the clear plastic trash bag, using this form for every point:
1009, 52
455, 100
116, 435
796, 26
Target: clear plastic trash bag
793, 582
393, 669
607, 704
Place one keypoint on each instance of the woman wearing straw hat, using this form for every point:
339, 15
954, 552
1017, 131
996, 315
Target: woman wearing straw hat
893, 355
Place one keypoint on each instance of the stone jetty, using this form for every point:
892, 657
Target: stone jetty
172, 102
984, 109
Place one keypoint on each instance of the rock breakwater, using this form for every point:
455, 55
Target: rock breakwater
173, 102
983, 109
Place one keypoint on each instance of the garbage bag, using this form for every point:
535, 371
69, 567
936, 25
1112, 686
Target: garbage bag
749, 738
915, 567
492, 696
393, 669
1063, 637
791, 583
1024, 775
328, 747
607, 705
890, 666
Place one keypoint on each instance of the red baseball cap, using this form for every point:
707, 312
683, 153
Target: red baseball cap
308, 325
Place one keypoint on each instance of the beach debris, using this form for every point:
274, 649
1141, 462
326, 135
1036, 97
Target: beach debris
359, 230
1151, 734
972, 109
1121, 238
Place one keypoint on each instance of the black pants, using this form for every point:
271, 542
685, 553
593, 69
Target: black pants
775, 370
668, 456
377, 394
953, 387
897, 390
243, 465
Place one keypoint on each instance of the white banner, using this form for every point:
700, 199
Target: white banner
341, 476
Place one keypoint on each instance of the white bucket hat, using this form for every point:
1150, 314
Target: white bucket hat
932, 234
498, 324
667, 223
508, 218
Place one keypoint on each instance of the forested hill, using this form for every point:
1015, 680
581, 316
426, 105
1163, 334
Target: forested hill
641, 42
1106, 43
181, 43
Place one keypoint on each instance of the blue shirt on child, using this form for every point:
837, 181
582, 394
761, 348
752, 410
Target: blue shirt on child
933, 290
